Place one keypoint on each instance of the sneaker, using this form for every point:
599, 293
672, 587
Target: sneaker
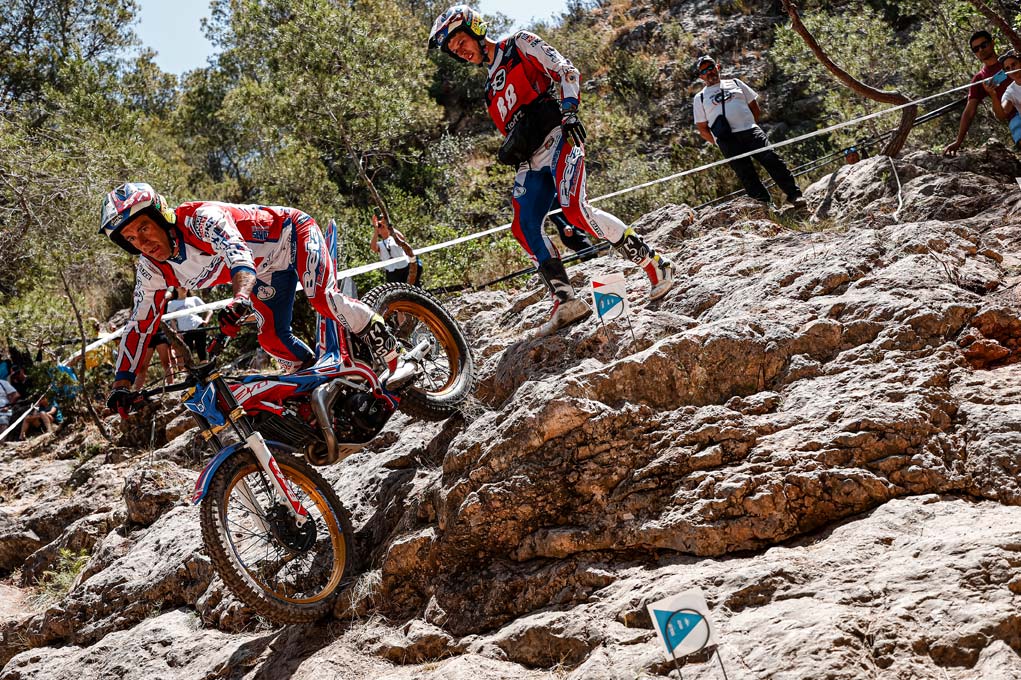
399, 376
661, 276
799, 203
564, 314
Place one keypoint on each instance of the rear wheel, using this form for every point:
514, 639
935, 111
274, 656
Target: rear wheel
286, 572
448, 376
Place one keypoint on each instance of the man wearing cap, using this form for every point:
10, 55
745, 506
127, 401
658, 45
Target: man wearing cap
727, 114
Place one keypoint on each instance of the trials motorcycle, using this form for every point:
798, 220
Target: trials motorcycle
274, 528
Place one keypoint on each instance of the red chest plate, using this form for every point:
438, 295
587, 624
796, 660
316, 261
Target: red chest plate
514, 83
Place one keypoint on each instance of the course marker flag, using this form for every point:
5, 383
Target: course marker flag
609, 294
682, 623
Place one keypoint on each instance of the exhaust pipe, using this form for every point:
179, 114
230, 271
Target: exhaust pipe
322, 404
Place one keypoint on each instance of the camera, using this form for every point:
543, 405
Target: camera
999, 77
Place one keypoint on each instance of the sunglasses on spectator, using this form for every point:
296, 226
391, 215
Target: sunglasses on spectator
706, 69
981, 46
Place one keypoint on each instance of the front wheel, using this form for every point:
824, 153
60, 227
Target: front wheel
448, 376
286, 572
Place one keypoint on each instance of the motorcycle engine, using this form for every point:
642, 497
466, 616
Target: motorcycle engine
289, 428
358, 417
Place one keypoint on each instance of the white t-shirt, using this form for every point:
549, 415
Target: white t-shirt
1013, 95
191, 321
708, 104
388, 249
6, 390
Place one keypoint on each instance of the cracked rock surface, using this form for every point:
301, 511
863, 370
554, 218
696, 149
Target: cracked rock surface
818, 426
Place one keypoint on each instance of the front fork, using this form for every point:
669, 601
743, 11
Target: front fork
257, 445
255, 442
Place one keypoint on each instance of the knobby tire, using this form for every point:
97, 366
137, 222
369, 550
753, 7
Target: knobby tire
421, 400
222, 553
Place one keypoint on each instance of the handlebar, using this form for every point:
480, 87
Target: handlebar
214, 350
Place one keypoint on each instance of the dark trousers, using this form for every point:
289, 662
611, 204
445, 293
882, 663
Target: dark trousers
738, 143
196, 342
402, 275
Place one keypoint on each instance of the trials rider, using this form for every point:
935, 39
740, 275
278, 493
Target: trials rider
262, 251
544, 140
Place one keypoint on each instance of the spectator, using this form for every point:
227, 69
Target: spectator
8, 398
19, 358
389, 244
572, 237
64, 385
1007, 106
985, 51
45, 415
851, 155
190, 326
19, 380
737, 131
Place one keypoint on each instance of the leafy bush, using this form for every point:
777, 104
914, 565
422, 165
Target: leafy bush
57, 582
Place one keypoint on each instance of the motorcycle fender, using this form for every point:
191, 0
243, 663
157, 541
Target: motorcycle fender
202, 484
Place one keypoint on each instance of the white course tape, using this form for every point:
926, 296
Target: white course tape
24, 415
365, 268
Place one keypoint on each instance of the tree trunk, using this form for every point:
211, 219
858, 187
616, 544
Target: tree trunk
907, 119
1001, 23
81, 366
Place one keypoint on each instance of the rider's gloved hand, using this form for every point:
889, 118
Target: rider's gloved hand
569, 123
233, 314
121, 401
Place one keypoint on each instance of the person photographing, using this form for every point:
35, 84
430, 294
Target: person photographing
1004, 90
390, 244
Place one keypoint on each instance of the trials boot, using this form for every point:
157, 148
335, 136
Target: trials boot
383, 346
659, 269
567, 309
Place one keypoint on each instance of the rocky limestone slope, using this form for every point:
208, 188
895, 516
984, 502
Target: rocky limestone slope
819, 427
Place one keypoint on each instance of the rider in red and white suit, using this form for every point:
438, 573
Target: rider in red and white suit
262, 251
544, 140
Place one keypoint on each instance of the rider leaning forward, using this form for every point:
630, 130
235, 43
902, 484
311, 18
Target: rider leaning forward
544, 140
261, 251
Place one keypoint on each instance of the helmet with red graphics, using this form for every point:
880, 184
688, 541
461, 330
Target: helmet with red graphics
127, 202
457, 19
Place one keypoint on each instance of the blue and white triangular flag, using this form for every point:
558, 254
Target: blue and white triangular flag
682, 623
609, 294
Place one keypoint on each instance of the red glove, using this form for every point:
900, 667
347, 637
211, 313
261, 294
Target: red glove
233, 314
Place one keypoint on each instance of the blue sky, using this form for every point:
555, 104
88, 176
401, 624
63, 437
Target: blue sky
171, 27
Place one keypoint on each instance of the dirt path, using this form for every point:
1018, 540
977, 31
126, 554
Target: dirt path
14, 602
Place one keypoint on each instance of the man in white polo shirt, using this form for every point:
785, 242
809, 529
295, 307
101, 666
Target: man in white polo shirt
727, 114
190, 326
